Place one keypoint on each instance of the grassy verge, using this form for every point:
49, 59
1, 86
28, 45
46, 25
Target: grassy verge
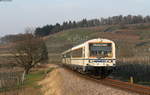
32, 78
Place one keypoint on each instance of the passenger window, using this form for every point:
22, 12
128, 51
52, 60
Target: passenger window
77, 53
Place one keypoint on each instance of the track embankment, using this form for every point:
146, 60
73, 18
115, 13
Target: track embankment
64, 82
126, 86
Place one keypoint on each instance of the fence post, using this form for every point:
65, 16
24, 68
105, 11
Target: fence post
131, 80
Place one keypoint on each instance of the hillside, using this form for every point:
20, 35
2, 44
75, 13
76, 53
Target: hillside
132, 43
131, 40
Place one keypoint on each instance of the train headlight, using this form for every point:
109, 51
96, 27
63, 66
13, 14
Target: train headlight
109, 61
90, 61
114, 61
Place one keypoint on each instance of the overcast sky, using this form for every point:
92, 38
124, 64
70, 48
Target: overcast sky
17, 15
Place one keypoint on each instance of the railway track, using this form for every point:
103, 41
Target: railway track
134, 88
126, 86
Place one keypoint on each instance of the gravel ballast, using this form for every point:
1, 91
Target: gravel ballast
62, 82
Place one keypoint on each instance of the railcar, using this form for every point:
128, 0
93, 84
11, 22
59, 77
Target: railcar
96, 56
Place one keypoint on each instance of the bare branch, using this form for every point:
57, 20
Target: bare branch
29, 51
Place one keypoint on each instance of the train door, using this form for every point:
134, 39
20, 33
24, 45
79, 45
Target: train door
83, 56
70, 58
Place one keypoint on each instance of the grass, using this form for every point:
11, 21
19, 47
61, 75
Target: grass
144, 34
32, 78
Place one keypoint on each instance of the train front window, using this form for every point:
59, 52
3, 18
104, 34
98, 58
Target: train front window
100, 50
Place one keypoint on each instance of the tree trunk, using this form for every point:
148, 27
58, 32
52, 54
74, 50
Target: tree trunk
23, 76
27, 70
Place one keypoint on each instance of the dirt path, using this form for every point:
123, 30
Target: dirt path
62, 82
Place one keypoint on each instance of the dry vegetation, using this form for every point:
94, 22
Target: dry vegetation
132, 43
133, 49
11, 82
11, 76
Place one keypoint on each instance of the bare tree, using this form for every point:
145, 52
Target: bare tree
29, 51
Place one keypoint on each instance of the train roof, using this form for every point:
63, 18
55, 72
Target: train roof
89, 41
98, 40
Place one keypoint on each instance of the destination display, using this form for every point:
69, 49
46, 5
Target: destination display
101, 44
100, 47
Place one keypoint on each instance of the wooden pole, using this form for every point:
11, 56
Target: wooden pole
131, 80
